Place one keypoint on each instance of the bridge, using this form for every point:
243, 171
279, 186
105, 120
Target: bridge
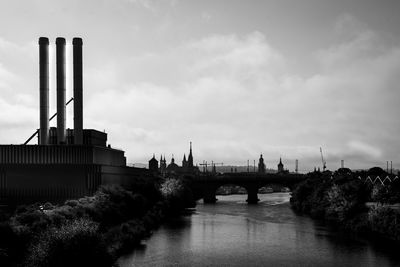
205, 186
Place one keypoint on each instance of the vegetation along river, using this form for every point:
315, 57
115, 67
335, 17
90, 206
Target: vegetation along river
232, 233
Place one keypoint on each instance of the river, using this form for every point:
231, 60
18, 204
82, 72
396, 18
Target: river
232, 233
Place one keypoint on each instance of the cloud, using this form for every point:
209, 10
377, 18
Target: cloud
154, 5
232, 56
6, 79
364, 149
206, 17
235, 97
348, 25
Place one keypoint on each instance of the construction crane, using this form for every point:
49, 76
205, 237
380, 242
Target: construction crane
52, 117
204, 164
217, 163
213, 166
322, 159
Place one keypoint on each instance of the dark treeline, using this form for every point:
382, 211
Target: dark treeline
351, 203
90, 231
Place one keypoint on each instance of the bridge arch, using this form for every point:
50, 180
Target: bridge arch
210, 193
206, 186
273, 188
231, 189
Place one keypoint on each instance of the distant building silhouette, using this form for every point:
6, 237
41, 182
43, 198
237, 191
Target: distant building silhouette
173, 168
190, 158
261, 165
153, 164
163, 165
281, 167
184, 161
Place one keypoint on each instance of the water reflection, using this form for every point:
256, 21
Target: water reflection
232, 233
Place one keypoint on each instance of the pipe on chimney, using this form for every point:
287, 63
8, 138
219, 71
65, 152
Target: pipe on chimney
44, 90
60, 59
78, 88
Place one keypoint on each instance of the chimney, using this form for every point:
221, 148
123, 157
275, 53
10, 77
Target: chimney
78, 87
60, 62
44, 90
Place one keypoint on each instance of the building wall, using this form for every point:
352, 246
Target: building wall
26, 183
61, 154
55, 173
123, 176
108, 156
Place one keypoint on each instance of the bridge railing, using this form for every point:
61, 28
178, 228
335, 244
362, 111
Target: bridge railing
378, 180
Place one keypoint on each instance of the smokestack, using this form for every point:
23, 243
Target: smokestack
44, 90
78, 87
60, 58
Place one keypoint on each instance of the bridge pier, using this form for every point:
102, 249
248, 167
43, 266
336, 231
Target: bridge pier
252, 197
210, 197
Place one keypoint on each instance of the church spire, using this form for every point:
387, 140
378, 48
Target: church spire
190, 157
184, 162
280, 166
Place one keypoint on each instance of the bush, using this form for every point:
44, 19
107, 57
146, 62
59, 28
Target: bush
89, 231
340, 204
310, 196
76, 243
387, 194
341, 199
126, 236
385, 221
113, 205
177, 194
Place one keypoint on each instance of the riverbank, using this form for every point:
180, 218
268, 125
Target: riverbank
341, 199
90, 231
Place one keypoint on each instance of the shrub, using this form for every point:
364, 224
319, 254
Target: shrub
340, 204
126, 236
113, 205
177, 195
386, 194
76, 243
385, 221
310, 196
71, 203
88, 231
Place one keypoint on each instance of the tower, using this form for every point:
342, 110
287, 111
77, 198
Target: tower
280, 166
78, 87
153, 164
44, 90
184, 161
60, 62
190, 157
163, 164
261, 165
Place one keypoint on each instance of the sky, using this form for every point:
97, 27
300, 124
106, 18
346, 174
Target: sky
237, 78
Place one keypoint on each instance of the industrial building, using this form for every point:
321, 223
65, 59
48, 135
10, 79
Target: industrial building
66, 163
